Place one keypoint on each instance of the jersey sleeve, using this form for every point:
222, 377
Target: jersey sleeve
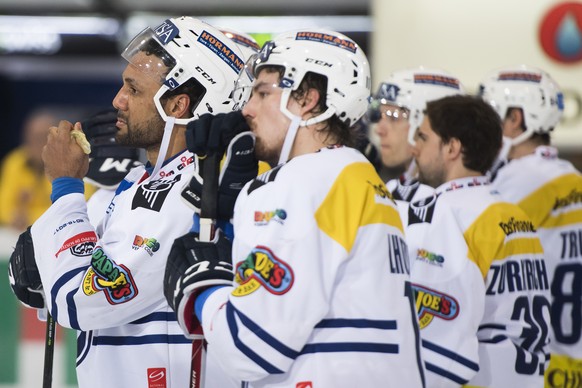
94, 283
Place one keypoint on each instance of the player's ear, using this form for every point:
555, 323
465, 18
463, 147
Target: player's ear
310, 101
454, 148
178, 106
514, 124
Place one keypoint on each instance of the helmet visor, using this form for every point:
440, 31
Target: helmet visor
147, 54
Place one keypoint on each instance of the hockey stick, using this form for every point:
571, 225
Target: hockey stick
208, 213
49, 350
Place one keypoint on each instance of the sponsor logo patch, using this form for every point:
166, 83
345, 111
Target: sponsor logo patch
68, 223
437, 79
263, 218
263, 268
151, 245
430, 258
431, 303
224, 52
515, 226
156, 377
304, 384
382, 195
107, 276
152, 195
327, 39
81, 244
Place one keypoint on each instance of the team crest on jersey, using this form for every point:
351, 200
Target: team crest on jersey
107, 276
430, 258
264, 218
152, 195
150, 245
81, 244
262, 268
421, 211
431, 304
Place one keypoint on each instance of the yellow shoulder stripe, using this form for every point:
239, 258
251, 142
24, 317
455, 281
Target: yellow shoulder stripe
539, 204
487, 236
358, 197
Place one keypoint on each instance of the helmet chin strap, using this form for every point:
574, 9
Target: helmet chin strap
296, 122
289, 139
506, 144
164, 146
170, 122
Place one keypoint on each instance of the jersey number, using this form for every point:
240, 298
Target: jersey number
567, 302
535, 335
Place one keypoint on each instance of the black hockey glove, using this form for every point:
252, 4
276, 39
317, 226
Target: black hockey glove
23, 273
193, 266
240, 166
213, 133
109, 162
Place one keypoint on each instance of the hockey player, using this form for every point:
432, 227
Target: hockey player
321, 296
477, 264
549, 190
109, 286
397, 108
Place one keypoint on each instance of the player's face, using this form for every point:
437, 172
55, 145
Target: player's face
429, 155
265, 118
392, 129
138, 121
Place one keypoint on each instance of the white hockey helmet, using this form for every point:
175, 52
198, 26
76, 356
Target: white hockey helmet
246, 43
323, 52
528, 88
189, 49
328, 53
411, 89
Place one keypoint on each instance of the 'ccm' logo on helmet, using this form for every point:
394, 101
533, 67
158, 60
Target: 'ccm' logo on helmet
166, 31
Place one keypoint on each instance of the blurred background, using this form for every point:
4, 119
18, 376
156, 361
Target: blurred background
62, 56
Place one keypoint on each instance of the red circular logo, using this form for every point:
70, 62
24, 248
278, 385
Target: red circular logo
560, 32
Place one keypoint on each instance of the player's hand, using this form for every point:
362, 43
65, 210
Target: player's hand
239, 167
23, 273
62, 156
213, 133
193, 266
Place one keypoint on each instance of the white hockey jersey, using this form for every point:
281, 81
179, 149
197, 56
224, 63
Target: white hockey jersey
110, 286
550, 191
323, 298
481, 288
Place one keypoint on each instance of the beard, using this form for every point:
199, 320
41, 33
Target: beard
433, 178
142, 135
266, 154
